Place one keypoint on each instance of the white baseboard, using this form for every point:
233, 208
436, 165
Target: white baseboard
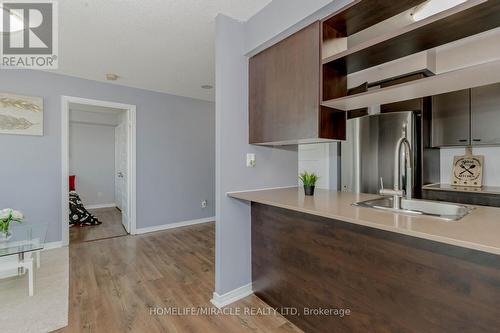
146, 230
221, 301
110, 205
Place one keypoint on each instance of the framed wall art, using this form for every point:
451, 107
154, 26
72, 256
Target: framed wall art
22, 115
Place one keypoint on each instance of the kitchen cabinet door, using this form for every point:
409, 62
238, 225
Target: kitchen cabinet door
451, 119
485, 115
284, 94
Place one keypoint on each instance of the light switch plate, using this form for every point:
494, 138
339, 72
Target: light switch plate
251, 162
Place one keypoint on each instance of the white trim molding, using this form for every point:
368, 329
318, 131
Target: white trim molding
131, 153
65, 169
109, 205
155, 228
232, 296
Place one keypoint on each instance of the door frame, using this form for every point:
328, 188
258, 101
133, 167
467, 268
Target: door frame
131, 152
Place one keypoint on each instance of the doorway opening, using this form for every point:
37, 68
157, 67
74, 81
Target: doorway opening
98, 170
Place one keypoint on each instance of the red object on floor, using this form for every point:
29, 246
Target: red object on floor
72, 180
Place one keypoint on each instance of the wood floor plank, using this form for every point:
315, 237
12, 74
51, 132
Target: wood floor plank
111, 226
114, 284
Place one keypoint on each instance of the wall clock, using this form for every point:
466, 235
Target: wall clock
468, 170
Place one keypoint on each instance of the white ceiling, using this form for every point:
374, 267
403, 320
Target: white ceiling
159, 45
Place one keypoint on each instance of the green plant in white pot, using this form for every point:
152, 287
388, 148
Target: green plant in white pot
7, 216
309, 180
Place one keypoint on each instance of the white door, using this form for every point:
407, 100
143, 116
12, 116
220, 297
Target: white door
121, 169
118, 180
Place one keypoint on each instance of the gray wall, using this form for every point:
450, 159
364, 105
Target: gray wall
92, 160
175, 152
275, 167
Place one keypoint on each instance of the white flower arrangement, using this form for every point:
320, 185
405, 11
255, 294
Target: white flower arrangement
7, 216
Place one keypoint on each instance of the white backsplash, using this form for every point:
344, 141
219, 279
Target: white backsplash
322, 159
491, 176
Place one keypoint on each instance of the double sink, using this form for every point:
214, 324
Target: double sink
445, 211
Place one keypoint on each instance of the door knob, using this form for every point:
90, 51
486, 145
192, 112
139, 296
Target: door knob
120, 174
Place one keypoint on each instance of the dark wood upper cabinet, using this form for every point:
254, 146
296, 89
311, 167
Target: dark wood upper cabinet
284, 93
451, 119
485, 115
467, 117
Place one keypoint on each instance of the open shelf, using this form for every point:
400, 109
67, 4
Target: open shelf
363, 14
469, 18
356, 17
469, 77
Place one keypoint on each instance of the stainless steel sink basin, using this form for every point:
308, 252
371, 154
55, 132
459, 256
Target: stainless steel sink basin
446, 211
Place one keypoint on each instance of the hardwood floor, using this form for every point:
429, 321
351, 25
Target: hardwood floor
115, 284
111, 226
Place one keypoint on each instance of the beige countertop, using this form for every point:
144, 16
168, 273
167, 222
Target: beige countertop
451, 188
480, 230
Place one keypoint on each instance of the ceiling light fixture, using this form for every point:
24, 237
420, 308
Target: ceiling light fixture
433, 7
16, 22
207, 86
111, 77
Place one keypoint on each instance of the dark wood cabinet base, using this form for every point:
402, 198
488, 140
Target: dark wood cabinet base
389, 282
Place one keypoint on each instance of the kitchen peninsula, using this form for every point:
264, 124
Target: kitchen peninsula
395, 272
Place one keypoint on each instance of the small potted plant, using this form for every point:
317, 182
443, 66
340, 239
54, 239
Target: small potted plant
309, 180
7, 216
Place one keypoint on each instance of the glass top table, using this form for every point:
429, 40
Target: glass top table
24, 238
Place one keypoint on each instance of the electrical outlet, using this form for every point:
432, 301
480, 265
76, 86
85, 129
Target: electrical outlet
204, 204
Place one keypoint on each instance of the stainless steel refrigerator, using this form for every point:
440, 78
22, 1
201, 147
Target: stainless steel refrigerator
367, 155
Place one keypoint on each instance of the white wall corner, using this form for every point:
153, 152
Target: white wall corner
232, 296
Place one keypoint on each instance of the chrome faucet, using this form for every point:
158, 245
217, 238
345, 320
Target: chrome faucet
398, 192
